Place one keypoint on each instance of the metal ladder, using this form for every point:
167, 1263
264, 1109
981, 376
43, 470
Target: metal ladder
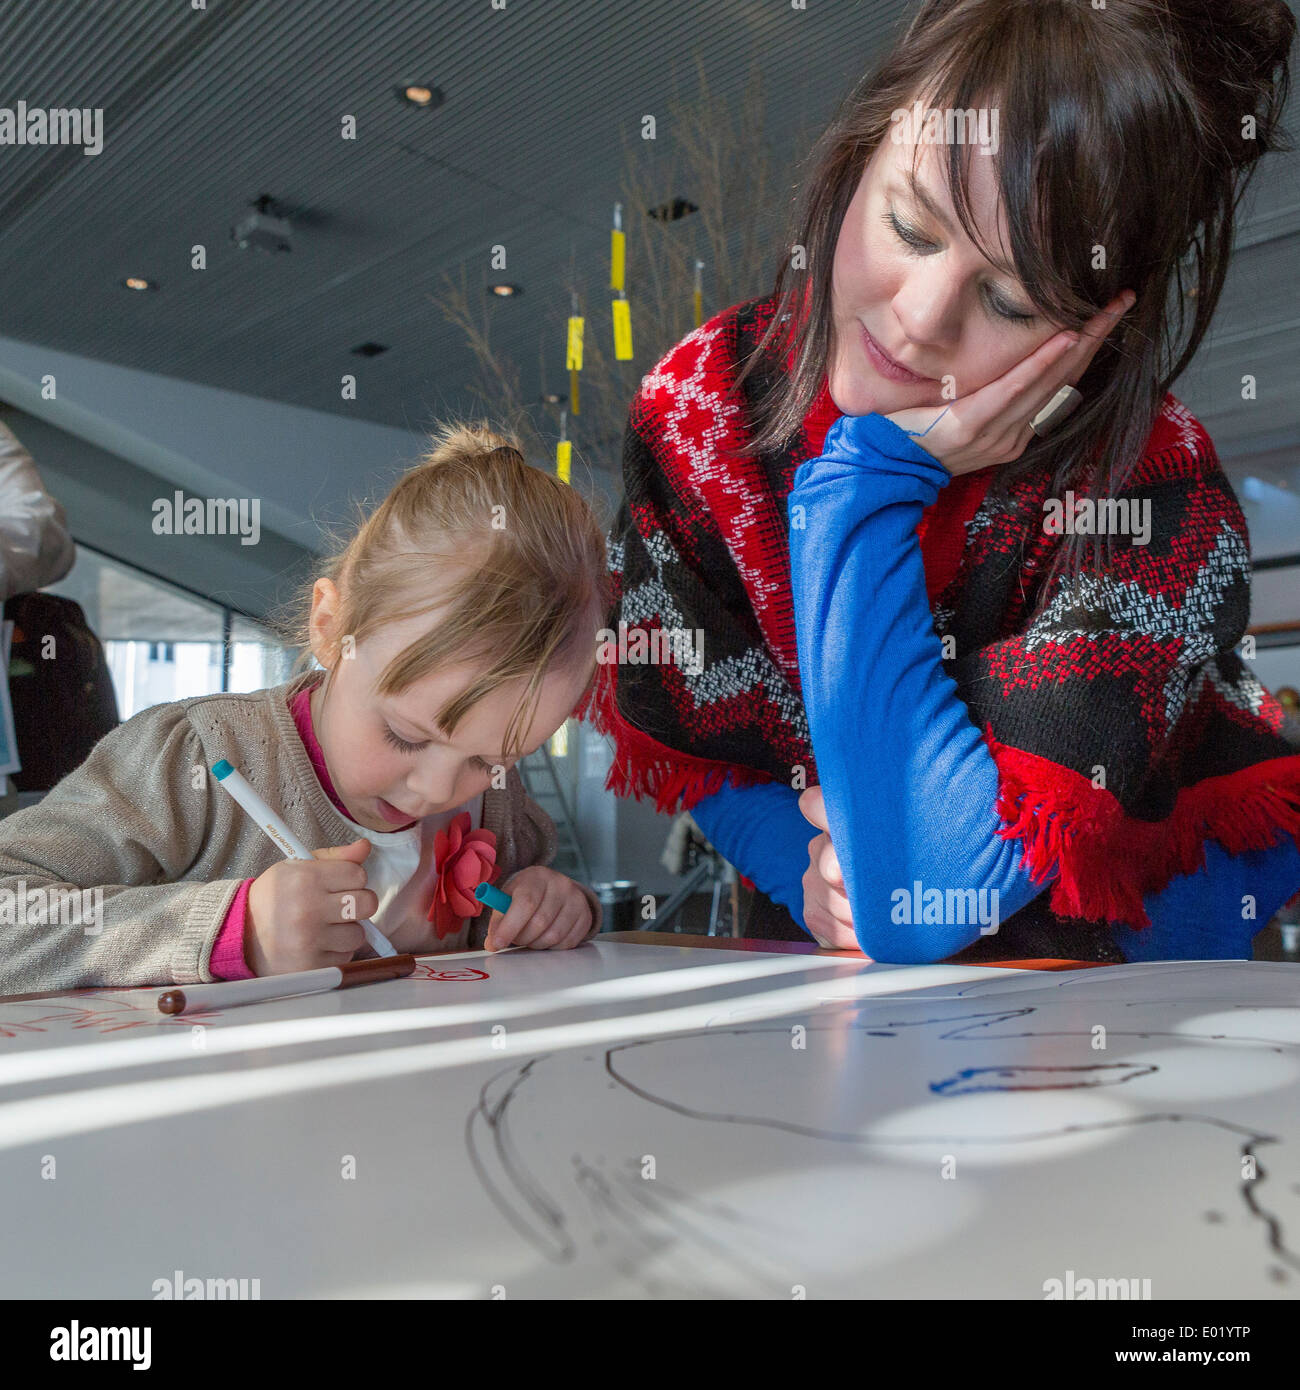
542, 783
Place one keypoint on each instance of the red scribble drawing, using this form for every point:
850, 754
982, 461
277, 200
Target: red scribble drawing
448, 973
103, 1012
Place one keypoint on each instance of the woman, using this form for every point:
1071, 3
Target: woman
1018, 736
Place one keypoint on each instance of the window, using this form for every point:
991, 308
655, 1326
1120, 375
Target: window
165, 643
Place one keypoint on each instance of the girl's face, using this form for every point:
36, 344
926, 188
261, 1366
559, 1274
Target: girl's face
908, 283
388, 760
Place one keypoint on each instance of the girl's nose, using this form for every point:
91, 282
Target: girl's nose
433, 784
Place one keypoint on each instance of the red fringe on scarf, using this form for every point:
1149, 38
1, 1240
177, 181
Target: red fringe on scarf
645, 767
1105, 860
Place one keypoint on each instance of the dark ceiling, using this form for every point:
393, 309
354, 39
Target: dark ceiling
206, 110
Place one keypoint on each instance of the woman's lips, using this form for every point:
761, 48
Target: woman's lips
886, 365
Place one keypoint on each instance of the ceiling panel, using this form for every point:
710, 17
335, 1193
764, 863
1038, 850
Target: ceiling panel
205, 110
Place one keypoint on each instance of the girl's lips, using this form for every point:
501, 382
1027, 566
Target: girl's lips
885, 364
391, 813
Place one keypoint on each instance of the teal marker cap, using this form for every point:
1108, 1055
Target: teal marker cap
494, 897
222, 770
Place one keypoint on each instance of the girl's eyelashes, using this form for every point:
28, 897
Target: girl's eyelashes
404, 747
400, 743
917, 243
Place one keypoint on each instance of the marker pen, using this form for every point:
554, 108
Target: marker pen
288, 843
226, 993
494, 897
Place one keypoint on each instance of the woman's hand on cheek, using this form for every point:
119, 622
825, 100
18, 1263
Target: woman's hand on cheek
548, 912
991, 425
826, 910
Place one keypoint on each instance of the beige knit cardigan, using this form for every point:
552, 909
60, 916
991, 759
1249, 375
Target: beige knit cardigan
145, 821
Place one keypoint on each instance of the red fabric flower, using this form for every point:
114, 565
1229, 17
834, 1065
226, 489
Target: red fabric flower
464, 858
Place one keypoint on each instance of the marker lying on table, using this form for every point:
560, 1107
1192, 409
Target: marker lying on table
290, 845
226, 993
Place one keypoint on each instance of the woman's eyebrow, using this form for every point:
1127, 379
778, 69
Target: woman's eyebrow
923, 197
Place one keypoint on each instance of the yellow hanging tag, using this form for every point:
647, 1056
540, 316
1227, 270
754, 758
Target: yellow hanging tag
617, 258
573, 393
573, 352
563, 459
622, 330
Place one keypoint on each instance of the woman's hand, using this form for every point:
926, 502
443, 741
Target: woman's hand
826, 909
548, 912
991, 425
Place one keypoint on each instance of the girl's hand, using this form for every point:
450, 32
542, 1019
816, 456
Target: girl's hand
304, 914
991, 425
825, 903
548, 912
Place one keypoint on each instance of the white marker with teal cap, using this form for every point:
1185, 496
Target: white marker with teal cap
494, 897
287, 842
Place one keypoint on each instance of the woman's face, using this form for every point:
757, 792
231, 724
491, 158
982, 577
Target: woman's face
909, 282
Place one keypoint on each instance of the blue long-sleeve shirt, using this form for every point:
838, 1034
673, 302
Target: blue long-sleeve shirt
910, 783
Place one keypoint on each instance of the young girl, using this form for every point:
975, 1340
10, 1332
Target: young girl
1014, 740
456, 631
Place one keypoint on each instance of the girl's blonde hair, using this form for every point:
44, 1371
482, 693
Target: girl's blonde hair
509, 558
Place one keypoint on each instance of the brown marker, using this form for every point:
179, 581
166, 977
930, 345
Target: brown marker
226, 993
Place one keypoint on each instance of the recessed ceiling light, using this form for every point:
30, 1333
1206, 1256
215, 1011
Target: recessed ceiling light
505, 291
415, 94
138, 282
551, 398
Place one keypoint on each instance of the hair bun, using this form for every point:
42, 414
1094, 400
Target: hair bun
466, 439
1238, 52
1263, 30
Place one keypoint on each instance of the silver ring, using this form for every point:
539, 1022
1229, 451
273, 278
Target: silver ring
1062, 404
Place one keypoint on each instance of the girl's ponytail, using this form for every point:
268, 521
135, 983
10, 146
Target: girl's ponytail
467, 441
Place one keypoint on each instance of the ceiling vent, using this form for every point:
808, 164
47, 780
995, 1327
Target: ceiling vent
265, 228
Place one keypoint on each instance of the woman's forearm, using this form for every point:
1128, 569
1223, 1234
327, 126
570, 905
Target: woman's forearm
910, 784
1207, 915
761, 831
1214, 913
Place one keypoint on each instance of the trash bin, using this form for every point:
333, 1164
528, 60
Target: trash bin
618, 902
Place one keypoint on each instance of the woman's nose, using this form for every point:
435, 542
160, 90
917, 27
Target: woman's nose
928, 308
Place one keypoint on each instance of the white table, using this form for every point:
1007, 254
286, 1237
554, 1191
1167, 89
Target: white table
642, 1121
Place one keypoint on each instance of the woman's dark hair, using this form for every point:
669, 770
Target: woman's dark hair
1135, 128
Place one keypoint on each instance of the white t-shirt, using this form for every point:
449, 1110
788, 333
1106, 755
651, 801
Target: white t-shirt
401, 871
